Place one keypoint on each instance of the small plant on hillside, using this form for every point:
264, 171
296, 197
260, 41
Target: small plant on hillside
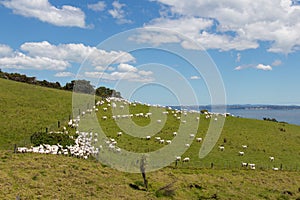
39, 138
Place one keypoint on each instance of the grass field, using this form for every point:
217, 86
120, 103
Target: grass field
26, 109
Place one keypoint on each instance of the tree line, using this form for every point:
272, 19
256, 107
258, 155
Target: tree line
81, 86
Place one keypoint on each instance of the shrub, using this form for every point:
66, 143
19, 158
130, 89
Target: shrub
51, 138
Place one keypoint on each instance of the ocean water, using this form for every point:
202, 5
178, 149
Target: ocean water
291, 116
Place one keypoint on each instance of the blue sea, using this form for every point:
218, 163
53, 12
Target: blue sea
289, 114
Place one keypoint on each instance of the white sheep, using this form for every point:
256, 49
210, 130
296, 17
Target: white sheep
178, 158
104, 109
168, 141
174, 133
119, 134
104, 117
161, 141
275, 168
148, 137
271, 158
192, 135
199, 139
244, 164
158, 121
241, 153
187, 145
244, 146
186, 159
251, 165
221, 148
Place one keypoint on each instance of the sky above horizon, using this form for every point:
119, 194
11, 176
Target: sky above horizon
182, 52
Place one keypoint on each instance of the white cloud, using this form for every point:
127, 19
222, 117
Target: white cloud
123, 67
116, 75
21, 61
43, 55
44, 11
5, 50
64, 74
194, 77
259, 66
276, 63
76, 53
118, 13
264, 67
100, 6
145, 73
238, 24
123, 72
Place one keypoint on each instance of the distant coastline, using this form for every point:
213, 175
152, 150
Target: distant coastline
283, 113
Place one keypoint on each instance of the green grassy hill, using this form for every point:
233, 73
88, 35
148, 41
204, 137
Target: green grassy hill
25, 109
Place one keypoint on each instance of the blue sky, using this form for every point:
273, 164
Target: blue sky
251, 47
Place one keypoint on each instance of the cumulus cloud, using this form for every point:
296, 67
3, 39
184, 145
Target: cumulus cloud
238, 25
122, 72
118, 13
126, 68
43, 55
264, 67
45, 12
76, 53
259, 67
64, 74
121, 75
99, 6
5, 50
21, 61
195, 77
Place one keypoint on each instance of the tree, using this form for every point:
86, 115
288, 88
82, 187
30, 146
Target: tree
81, 86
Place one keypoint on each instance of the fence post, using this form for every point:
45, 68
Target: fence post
58, 124
15, 148
46, 129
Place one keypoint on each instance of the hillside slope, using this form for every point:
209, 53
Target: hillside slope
25, 109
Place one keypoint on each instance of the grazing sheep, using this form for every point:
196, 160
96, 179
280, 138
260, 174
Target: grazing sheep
271, 158
119, 134
244, 164
168, 141
174, 133
104, 117
178, 158
251, 165
148, 137
157, 138
187, 145
192, 135
197, 118
199, 139
186, 159
244, 146
275, 168
158, 121
161, 141
221, 148
241, 153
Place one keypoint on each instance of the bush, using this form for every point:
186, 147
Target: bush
51, 138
